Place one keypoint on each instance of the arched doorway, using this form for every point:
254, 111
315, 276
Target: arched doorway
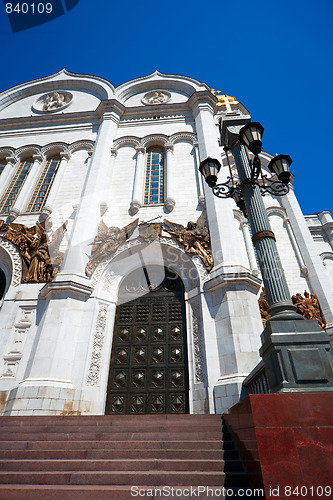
149, 370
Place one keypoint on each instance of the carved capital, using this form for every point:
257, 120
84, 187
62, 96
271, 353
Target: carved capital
169, 204
38, 157
65, 155
46, 212
140, 150
135, 207
13, 214
202, 201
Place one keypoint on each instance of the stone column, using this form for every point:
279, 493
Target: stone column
7, 174
28, 187
47, 209
139, 180
169, 199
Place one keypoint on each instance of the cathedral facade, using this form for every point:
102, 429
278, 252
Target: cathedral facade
125, 285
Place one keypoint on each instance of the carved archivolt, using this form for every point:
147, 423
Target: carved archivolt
190, 268
6, 152
15, 260
45, 151
165, 140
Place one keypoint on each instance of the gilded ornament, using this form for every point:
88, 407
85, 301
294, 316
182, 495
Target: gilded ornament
309, 307
224, 99
194, 238
40, 254
107, 241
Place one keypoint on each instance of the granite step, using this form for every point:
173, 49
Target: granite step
110, 436
87, 492
104, 454
147, 478
123, 445
137, 464
105, 420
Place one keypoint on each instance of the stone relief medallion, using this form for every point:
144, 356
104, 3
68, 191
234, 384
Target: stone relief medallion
156, 97
52, 102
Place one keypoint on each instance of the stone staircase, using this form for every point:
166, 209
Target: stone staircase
103, 457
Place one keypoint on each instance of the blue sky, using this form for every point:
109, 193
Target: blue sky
275, 56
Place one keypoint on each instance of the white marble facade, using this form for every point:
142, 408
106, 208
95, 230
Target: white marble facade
56, 338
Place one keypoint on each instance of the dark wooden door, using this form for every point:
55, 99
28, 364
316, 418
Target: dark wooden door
148, 370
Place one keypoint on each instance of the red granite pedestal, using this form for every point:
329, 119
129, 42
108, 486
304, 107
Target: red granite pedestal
286, 442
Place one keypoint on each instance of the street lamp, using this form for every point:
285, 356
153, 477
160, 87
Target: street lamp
247, 194
287, 340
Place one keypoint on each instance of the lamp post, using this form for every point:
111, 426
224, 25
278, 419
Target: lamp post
288, 340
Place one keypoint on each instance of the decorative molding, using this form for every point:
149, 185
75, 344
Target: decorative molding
17, 340
33, 149
108, 281
53, 102
202, 273
27, 151
84, 144
126, 140
198, 342
156, 97
184, 136
5, 152
326, 256
154, 138
167, 141
97, 348
15, 259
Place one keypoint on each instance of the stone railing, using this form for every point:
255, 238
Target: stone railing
256, 382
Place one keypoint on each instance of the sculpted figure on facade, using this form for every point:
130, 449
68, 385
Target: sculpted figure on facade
308, 306
107, 241
54, 101
42, 257
263, 305
194, 237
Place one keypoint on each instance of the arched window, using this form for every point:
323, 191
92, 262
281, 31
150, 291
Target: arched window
2, 283
41, 191
15, 186
154, 179
3, 163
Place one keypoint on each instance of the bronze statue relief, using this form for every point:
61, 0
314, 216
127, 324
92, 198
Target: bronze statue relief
194, 237
42, 257
308, 306
107, 241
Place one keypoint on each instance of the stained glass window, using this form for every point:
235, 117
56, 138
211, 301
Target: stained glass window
43, 186
15, 186
154, 180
